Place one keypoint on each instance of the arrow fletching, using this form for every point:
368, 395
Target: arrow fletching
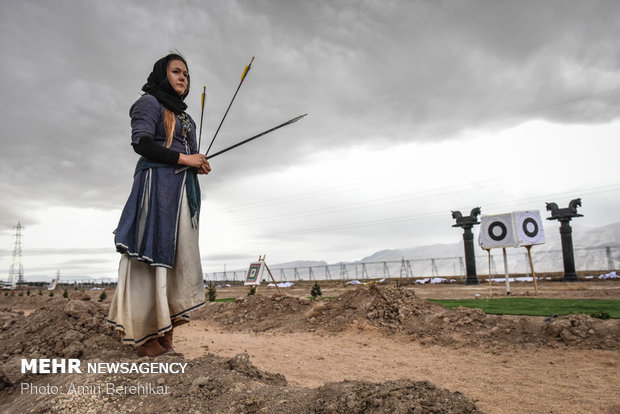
247, 69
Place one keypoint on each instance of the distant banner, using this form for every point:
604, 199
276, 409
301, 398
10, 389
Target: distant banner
52, 284
255, 273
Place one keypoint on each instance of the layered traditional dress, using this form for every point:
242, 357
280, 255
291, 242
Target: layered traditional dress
160, 275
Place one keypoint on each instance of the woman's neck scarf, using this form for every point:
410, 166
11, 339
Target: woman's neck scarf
157, 85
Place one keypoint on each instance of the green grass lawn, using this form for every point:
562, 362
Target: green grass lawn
309, 297
536, 306
226, 300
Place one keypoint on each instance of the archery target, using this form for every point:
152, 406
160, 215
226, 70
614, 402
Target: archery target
255, 274
529, 227
497, 231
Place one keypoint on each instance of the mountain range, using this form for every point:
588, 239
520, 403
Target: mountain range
595, 249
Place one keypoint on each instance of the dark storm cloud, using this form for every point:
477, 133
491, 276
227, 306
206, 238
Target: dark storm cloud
369, 73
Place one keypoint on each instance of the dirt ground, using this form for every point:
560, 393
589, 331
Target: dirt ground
370, 349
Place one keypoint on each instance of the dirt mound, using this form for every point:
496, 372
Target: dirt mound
9, 318
30, 300
401, 311
65, 328
60, 329
219, 385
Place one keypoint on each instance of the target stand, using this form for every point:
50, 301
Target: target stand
490, 274
530, 231
255, 273
498, 231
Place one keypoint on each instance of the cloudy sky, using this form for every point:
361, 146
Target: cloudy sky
416, 108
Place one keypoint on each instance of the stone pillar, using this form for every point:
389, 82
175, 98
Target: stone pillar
470, 256
468, 242
564, 216
566, 233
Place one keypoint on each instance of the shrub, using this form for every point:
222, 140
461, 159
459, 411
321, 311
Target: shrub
65, 294
51, 294
211, 293
251, 290
316, 290
103, 296
600, 315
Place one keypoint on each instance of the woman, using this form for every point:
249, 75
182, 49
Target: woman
160, 275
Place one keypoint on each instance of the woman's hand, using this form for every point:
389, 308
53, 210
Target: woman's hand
198, 161
205, 168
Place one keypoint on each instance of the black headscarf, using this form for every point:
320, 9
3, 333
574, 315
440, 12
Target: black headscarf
157, 85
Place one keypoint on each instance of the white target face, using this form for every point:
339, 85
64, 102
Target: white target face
497, 231
529, 227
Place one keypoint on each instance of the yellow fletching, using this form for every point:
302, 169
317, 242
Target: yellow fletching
244, 72
203, 100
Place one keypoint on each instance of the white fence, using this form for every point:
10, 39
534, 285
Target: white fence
597, 259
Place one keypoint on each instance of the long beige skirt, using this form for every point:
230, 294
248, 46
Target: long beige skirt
150, 300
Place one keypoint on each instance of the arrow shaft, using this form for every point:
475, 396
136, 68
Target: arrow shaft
245, 72
202, 113
256, 136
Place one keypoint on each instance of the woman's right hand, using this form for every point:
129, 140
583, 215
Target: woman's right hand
194, 160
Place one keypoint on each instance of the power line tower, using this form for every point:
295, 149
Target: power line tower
434, 268
16, 271
386, 270
405, 268
610, 259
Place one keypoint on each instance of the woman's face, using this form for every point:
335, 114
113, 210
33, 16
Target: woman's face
177, 76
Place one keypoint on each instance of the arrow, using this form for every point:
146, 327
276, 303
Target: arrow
256, 136
247, 140
245, 72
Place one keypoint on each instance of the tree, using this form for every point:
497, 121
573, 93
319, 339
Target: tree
211, 292
316, 290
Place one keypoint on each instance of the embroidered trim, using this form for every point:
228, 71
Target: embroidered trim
144, 259
140, 341
176, 229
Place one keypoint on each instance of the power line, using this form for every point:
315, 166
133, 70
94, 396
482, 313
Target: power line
408, 197
305, 195
594, 190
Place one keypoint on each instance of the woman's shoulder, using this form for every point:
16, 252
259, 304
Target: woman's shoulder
146, 103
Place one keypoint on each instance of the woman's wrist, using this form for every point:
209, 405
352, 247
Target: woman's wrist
182, 159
